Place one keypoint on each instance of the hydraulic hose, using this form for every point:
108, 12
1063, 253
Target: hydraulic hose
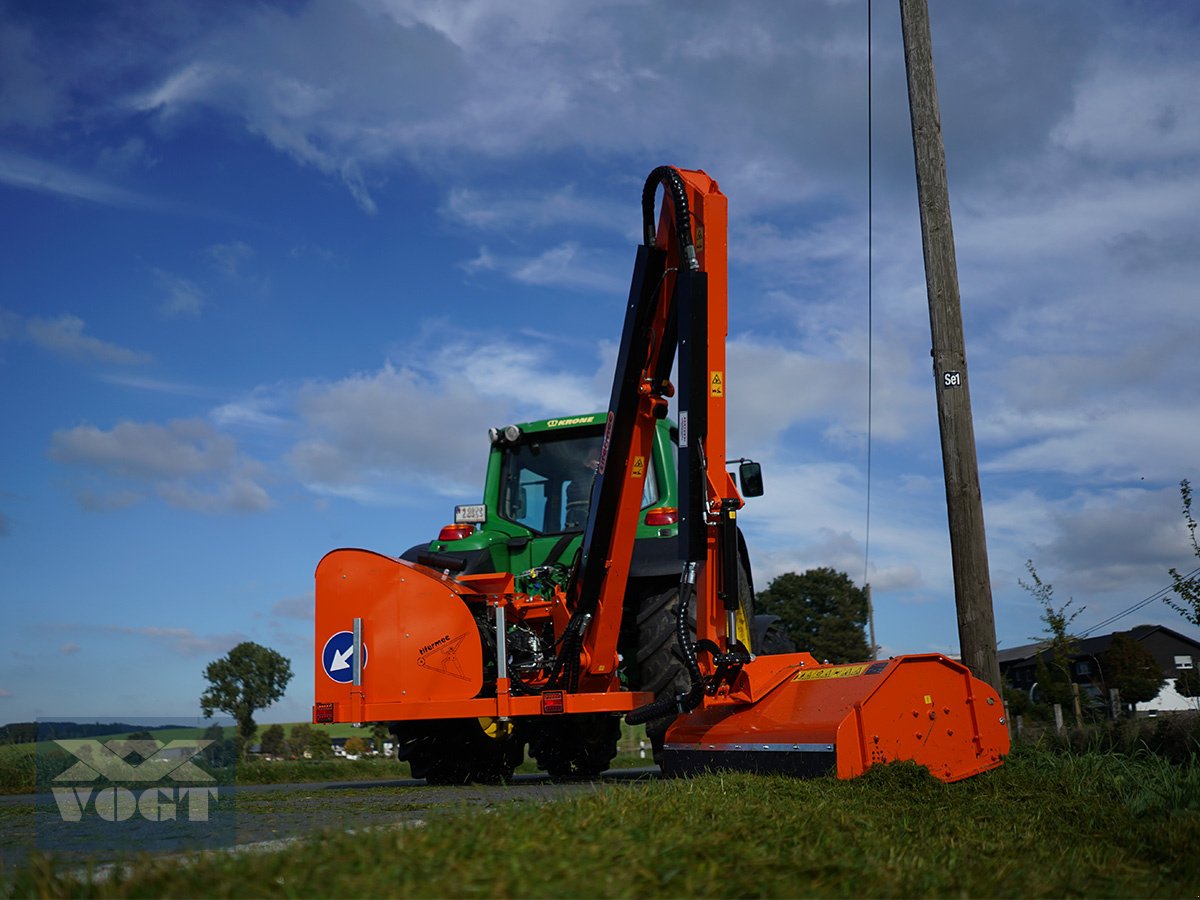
672, 183
689, 699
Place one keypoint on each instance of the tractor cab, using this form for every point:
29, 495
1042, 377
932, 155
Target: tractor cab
536, 499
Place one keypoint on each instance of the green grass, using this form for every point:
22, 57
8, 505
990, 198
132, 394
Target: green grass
1099, 825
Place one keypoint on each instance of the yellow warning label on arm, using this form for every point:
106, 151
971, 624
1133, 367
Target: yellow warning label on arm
830, 672
639, 467
716, 384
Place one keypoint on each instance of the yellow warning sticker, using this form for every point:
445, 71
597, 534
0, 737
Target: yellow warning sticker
716, 385
639, 467
830, 672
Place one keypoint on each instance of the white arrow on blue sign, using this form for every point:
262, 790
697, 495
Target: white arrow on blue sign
338, 657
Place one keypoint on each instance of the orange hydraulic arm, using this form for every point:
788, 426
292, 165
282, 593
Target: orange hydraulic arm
678, 299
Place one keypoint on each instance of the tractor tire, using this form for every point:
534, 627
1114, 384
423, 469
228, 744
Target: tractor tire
660, 661
774, 641
456, 751
577, 746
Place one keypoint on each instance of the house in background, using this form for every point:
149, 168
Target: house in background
1174, 653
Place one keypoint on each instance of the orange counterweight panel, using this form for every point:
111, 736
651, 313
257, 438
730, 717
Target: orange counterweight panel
419, 640
846, 718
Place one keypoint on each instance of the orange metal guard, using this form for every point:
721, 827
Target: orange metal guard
789, 714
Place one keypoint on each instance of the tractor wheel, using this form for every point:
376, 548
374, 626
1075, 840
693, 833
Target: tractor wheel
578, 746
456, 751
660, 661
774, 640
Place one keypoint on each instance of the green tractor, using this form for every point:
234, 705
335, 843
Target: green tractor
531, 522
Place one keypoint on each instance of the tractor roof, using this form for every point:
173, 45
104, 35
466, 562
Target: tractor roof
563, 422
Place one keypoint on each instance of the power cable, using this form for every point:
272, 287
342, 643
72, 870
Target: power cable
1157, 595
870, 293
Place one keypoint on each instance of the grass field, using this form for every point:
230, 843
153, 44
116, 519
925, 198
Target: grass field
1044, 824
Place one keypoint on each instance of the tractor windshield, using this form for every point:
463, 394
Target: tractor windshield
546, 480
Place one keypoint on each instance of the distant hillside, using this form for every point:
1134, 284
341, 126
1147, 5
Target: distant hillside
30, 732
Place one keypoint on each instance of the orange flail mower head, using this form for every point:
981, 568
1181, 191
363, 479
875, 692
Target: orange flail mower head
810, 719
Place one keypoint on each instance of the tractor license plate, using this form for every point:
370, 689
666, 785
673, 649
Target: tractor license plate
473, 514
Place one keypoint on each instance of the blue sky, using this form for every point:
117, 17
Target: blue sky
269, 272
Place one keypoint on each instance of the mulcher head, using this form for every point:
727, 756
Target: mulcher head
790, 715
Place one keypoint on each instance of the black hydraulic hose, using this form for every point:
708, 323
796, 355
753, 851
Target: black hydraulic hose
567, 661
689, 699
672, 182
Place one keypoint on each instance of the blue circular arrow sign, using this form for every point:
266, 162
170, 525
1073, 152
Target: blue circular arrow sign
338, 657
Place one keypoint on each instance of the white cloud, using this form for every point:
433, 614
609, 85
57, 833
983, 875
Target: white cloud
1127, 112
183, 297
567, 265
104, 501
154, 385
30, 94
65, 336
301, 608
188, 463
177, 640
263, 409
32, 174
380, 82
504, 211
377, 436
230, 259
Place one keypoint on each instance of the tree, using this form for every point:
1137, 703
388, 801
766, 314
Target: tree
298, 739
1130, 668
1187, 586
1187, 684
1053, 668
273, 741
319, 746
355, 746
822, 611
251, 677
379, 734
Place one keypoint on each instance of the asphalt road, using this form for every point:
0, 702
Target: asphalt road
272, 812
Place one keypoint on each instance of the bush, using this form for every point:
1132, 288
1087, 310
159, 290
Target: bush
1175, 738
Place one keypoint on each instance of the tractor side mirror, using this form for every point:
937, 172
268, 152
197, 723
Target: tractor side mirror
750, 476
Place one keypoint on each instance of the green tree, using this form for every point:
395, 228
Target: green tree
379, 734
273, 740
1187, 587
1130, 668
1187, 683
356, 746
1053, 668
298, 739
251, 677
822, 611
319, 746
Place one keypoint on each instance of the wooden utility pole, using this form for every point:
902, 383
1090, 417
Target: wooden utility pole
968, 544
